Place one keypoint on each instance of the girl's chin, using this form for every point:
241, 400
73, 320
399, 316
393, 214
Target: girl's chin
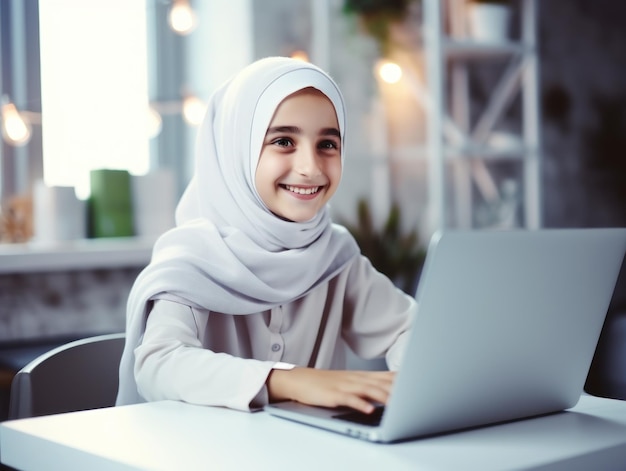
291, 216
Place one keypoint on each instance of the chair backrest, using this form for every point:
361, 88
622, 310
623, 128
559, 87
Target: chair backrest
79, 375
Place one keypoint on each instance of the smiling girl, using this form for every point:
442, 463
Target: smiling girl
255, 294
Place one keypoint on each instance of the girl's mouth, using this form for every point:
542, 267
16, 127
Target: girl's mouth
302, 190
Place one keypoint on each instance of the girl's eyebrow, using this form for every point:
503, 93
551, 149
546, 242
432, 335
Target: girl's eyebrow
331, 132
297, 130
284, 129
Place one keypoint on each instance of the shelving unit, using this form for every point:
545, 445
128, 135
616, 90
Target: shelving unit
457, 140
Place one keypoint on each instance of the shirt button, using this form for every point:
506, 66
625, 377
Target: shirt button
275, 347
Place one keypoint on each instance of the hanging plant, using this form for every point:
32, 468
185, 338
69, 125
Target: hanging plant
492, 2
377, 16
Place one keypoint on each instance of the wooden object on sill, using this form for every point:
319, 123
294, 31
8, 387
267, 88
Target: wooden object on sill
16, 219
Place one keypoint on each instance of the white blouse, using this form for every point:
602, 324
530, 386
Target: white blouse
210, 358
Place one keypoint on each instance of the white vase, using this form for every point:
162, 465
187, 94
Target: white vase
489, 22
58, 215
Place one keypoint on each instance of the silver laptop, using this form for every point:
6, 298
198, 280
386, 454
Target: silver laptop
507, 325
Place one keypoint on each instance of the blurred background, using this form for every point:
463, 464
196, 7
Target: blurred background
519, 125
475, 114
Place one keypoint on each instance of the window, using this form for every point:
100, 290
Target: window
94, 89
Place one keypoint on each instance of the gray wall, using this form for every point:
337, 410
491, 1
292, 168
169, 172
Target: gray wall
583, 79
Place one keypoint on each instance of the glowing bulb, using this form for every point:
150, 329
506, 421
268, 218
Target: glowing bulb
390, 72
182, 18
155, 123
193, 110
300, 55
15, 128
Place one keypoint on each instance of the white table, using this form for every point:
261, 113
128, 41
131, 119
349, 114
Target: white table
175, 436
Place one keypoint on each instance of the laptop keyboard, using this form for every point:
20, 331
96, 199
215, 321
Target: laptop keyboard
360, 418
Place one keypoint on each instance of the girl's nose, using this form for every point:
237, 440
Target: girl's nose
305, 162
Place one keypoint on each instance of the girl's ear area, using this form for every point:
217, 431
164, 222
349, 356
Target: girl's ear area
258, 141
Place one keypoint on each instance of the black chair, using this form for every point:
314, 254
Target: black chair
607, 374
79, 375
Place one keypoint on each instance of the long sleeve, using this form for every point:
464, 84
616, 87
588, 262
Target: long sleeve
377, 315
211, 358
172, 363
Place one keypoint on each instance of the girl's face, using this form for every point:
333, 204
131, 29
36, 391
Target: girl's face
300, 164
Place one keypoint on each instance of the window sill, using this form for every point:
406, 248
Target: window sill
86, 254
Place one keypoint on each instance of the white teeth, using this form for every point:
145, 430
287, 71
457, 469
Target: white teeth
302, 191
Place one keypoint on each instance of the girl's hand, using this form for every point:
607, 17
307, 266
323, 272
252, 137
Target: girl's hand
331, 388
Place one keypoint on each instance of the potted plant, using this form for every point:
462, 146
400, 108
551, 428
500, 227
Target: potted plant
489, 20
397, 255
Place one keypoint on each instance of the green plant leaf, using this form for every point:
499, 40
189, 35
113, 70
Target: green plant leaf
398, 256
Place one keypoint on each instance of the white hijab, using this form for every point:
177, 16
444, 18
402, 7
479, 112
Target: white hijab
228, 253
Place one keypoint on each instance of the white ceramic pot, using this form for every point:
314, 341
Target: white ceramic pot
489, 22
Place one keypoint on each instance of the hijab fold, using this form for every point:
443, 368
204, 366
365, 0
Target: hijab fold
228, 253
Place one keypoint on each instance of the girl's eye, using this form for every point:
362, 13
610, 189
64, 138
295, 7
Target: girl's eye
328, 145
282, 142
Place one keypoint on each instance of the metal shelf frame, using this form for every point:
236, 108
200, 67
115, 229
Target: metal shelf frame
449, 50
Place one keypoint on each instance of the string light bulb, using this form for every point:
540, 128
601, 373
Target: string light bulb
16, 129
182, 18
389, 72
300, 55
193, 110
